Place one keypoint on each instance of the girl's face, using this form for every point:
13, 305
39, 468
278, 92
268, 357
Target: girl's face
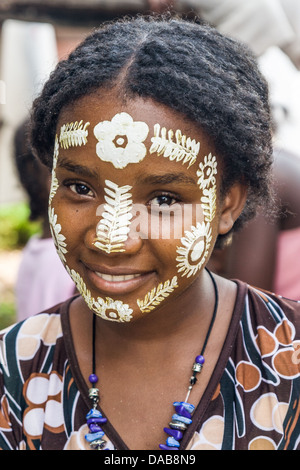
133, 204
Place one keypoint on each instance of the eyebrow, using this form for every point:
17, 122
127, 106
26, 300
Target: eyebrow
168, 179
78, 169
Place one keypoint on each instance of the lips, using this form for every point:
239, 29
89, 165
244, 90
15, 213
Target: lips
116, 280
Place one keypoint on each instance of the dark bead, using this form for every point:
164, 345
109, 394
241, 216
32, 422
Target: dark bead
193, 380
173, 432
93, 378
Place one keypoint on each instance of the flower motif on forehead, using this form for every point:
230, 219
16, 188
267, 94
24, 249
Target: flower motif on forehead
182, 149
113, 228
73, 134
120, 141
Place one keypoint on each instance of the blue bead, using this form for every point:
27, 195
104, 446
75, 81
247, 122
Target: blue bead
96, 421
172, 442
94, 414
182, 411
94, 427
182, 419
173, 432
165, 447
200, 359
188, 406
93, 378
93, 436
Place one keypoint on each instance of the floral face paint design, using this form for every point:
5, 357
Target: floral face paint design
194, 250
107, 309
113, 228
157, 295
195, 243
73, 134
121, 140
182, 149
55, 227
58, 237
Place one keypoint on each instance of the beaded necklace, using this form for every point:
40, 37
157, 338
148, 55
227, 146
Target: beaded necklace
183, 409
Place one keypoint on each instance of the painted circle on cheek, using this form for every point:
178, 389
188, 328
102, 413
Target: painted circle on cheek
196, 251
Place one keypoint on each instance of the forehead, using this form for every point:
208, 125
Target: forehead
142, 119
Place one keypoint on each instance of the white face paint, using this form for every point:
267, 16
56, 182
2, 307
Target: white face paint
55, 227
73, 134
121, 140
107, 309
183, 149
113, 228
196, 243
157, 295
194, 249
117, 201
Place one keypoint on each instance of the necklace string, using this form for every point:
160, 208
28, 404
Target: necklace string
183, 409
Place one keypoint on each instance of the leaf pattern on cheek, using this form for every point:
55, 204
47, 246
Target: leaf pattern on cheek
113, 228
157, 295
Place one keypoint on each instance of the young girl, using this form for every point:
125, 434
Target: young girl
157, 132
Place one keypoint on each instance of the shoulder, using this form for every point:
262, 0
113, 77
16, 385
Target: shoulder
26, 344
275, 308
36, 325
270, 326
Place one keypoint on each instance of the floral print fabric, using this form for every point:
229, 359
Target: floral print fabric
252, 401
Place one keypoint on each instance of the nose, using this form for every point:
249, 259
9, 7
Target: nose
122, 234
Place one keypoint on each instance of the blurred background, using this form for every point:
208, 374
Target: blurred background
35, 35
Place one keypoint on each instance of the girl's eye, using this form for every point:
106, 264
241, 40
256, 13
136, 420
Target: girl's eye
163, 199
81, 189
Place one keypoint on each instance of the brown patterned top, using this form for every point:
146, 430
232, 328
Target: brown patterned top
251, 402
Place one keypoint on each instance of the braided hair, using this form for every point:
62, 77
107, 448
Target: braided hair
188, 66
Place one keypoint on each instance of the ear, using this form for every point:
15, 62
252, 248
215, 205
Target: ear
231, 207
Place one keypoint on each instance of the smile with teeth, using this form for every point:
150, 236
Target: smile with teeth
117, 278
